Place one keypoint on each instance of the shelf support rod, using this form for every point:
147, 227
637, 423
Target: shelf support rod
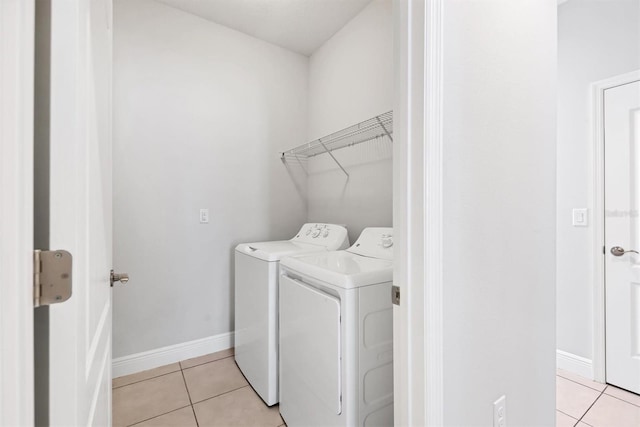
384, 128
334, 158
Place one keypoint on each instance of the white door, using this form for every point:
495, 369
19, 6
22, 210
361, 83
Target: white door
622, 232
80, 211
16, 212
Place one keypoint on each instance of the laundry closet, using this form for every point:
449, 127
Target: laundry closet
236, 122
158, 137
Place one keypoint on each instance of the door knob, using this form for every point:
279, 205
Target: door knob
121, 277
618, 251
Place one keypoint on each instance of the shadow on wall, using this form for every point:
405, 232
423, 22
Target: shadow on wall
298, 171
364, 199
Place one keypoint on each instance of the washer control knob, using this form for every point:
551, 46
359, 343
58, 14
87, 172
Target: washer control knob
387, 241
316, 233
325, 233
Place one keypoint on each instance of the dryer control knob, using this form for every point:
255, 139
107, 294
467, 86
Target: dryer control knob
387, 241
325, 233
315, 234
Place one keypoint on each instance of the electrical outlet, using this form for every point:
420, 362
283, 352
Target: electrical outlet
204, 216
500, 412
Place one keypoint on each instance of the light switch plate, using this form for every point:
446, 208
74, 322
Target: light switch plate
204, 216
580, 217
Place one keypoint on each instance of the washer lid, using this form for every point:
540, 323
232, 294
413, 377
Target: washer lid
274, 251
341, 268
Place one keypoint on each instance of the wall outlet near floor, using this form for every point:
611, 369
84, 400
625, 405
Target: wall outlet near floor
500, 412
204, 216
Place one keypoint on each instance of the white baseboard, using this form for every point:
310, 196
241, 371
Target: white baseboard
575, 364
174, 353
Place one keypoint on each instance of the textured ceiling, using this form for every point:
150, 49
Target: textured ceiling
298, 25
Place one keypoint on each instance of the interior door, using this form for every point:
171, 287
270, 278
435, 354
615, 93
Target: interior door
80, 210
622, 235
16, 212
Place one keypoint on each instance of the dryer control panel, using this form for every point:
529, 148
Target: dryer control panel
332, 236
374, 242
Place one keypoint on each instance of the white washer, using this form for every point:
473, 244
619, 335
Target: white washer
256, 300
336, 335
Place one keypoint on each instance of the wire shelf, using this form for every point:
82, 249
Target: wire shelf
380, 126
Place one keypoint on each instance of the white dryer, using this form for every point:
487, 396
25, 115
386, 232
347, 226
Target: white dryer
256, 300
336, 335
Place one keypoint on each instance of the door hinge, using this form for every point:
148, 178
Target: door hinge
51, 277
395, 295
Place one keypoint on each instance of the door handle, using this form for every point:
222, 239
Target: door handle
120, 277
618, 251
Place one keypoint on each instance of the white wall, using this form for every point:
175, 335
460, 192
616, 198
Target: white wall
351, 80
499, 154
200, 114
596, 40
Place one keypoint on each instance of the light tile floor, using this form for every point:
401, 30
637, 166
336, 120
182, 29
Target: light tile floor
211, 391
205, 391
581, 402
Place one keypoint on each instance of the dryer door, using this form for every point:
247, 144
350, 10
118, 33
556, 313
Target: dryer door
310, 354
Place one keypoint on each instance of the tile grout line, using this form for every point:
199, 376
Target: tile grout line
622, 400
590, 406
189, 395
222, 394
146, 379
583, 385
156, 416
562, 412
603, 391
162, 375
204, 363
181, 370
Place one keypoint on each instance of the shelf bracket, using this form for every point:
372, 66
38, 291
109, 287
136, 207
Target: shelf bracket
334, 158
384, 128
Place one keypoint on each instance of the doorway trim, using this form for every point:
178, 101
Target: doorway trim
17, 30
417, 212
597, 192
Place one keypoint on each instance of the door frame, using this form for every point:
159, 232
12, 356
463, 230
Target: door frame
418, 325
17, 32
418, 321
597, 193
